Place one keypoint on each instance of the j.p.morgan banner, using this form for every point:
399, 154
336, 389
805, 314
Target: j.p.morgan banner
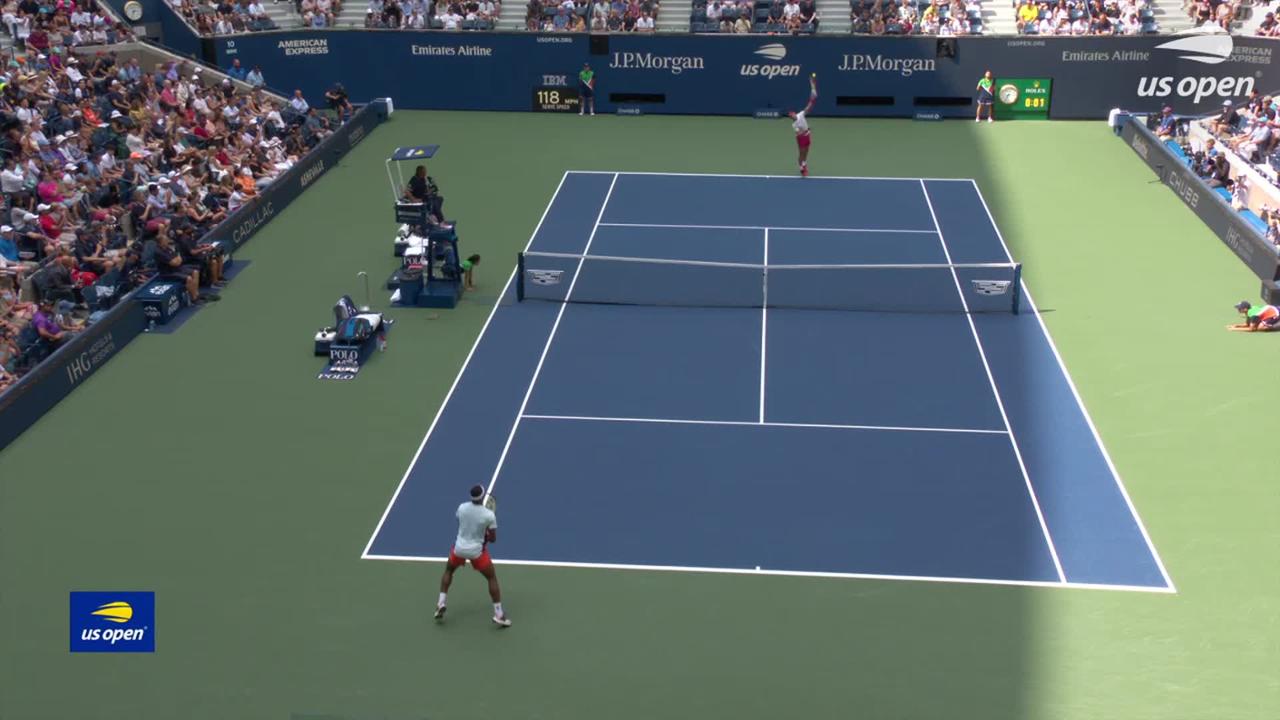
742, 74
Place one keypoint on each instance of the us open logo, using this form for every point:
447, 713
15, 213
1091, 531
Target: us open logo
775, 52
113, 622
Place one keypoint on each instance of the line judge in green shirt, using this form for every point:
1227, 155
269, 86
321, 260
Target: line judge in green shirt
986, 98
587, 89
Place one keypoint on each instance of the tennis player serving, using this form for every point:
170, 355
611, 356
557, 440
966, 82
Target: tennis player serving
800, 123
477, 527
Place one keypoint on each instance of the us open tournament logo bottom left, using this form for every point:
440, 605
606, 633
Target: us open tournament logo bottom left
113, 622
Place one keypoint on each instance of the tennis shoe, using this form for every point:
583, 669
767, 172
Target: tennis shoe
502, 620
440, 612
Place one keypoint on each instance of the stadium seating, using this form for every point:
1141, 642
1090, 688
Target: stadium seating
95, 184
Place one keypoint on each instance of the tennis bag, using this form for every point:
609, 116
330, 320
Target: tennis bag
353, 331
345, 308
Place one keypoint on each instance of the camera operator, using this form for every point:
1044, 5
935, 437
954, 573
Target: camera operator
339, 103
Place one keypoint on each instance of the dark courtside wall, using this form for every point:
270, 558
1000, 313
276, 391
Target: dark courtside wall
737, 75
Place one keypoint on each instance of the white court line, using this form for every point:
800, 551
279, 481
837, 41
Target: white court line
982, 353
764, 321
770, 177
669, 226
802, 574
752, 423
502, 459
1097, 437
430, 429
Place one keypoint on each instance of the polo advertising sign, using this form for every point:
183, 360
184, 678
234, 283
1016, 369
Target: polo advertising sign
113, 622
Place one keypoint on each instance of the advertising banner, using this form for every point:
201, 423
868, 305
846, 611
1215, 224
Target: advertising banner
69, 366
745, 74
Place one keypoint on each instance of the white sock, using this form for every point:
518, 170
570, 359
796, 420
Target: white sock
440, 602
497, 609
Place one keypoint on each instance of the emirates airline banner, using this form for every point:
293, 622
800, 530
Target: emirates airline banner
745, 74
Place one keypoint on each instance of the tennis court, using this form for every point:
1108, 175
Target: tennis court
770, 403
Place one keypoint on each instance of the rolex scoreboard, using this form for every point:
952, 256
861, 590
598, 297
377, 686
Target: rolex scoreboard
1023, 98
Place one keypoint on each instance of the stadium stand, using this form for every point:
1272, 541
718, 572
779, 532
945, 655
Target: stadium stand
115, 176
31, 25
224, 17
1096, 17
598, 16
912, 17
390, 14
1237, 154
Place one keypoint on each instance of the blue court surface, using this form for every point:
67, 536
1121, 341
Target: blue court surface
900, 437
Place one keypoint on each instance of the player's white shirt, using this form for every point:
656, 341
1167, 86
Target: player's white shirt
800, 124
473, 521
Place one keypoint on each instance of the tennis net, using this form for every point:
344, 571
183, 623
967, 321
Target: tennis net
603, 279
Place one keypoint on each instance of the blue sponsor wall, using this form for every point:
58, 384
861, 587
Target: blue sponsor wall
45, 386
701, 74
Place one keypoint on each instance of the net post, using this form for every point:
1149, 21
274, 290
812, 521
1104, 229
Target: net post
520, 277
1017, 287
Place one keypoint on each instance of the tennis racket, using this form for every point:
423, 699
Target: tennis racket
491, 502
813, 84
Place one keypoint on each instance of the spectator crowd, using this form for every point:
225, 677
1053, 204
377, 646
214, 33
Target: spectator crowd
1214, 12
910, 17
1095, 17
113, 174
605, 15
224, 17
432, 14
1251, 131
747, 16
40, 27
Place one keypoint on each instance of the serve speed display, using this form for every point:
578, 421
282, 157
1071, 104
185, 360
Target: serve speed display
556, 99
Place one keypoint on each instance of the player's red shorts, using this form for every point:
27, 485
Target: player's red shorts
804, 140
482, 563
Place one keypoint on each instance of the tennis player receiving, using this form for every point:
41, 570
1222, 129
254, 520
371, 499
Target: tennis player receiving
477, 527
